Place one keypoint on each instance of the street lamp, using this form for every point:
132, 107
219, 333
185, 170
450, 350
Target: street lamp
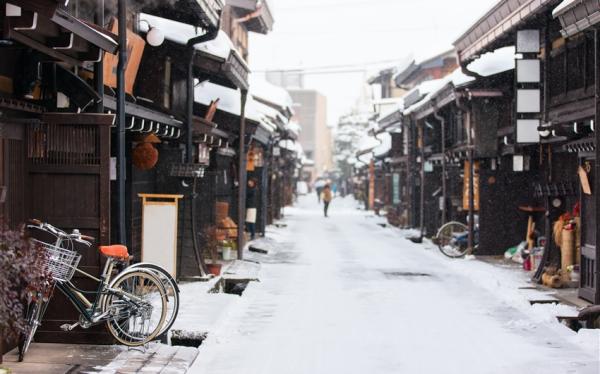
155, 37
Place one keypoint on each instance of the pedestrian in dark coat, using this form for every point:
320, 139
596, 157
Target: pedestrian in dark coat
251, 206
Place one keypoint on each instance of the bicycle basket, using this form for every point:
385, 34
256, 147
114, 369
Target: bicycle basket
60, 262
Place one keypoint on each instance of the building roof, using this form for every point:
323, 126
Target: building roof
403, 75
577, 15
493, 28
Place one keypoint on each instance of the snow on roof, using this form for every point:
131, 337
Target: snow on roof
294, 127
424, 92
269, 112
496, 62
292, 146
385, 146
367, 143
229, 100
181, 33
457, 78
562, 7
265, 91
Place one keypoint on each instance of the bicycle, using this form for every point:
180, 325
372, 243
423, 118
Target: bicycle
453, 239
133, 304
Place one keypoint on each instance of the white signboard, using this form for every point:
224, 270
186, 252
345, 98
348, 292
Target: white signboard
159, 230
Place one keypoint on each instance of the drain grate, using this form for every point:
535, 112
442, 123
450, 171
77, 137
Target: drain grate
404, 274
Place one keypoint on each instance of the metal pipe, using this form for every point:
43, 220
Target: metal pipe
242, 177
189, 144
121, 132
99, 66
442, 121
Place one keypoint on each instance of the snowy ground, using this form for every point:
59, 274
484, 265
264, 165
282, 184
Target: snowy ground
336, 298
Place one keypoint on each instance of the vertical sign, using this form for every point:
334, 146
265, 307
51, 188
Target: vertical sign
396, 188
527, 87
475, 186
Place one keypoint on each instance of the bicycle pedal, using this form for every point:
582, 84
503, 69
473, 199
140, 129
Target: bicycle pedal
67, 327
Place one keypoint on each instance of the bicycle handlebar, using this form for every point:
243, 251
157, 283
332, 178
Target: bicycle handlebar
75, 235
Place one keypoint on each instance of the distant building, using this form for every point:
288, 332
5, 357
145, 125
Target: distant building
311, 113
435, 67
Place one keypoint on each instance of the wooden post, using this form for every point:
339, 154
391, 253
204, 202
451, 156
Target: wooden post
421, 144
597, 161
471, 185
242, 177
444, 183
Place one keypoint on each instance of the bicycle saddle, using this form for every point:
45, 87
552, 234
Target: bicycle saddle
115, 251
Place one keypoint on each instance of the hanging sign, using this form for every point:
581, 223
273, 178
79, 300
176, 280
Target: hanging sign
396, 188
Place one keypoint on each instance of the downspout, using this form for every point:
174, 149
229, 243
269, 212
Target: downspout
442, 121
99, 66
210, 35
121, 132
471, 223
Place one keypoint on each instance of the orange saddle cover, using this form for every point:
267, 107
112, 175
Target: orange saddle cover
116, 251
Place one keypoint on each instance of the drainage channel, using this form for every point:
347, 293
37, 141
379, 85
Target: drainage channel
232, 286
182, 338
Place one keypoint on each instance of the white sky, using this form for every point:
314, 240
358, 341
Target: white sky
315, 33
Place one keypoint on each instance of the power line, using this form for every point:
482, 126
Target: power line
342, 67
331, 5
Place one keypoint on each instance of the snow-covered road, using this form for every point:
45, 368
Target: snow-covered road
342, 295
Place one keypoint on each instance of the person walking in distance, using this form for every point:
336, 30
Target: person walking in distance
327, 196
251, 205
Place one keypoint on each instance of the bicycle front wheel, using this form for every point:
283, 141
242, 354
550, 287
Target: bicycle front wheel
451, 239
35, 312
137, 305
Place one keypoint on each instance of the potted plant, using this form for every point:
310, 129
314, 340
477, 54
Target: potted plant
211, 241
21, 270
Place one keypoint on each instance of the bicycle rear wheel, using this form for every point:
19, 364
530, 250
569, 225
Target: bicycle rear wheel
171, 289
138, 307
449, 239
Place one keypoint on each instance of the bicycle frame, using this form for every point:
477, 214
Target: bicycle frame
89, 310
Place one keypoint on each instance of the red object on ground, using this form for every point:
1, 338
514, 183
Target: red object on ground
214, 269
527, 264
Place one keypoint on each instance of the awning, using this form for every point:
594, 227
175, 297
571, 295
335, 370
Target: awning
218, 60
577, 15
42, 25
145, 120
490, 31
271, 95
